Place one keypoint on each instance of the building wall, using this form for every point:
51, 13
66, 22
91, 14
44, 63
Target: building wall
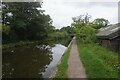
105, 43
116, 43
113, 44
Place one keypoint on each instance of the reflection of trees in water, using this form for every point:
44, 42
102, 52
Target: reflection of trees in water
26, 62
64, 41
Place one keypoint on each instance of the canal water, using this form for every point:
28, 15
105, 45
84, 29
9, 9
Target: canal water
35, 61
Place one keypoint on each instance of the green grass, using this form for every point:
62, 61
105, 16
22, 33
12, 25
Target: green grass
63, 66
99, 62
17, 44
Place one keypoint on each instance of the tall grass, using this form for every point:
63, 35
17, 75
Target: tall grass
98, 61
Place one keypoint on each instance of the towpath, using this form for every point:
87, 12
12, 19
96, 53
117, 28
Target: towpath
75, 66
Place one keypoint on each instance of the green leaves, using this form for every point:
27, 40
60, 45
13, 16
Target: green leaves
85, 29
5, 29
99, 23
28, 21
86, 34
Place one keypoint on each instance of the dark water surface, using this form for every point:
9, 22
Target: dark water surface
35, 61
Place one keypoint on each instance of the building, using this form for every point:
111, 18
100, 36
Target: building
110, 37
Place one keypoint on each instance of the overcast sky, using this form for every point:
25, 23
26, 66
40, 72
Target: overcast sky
62, 11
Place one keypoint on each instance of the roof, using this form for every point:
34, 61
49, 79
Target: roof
109, 32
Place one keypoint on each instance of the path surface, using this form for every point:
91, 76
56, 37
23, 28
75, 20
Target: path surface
75, 66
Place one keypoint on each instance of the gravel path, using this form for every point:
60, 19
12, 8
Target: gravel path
75, 66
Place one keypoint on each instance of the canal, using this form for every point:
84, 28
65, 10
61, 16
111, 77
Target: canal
33, 61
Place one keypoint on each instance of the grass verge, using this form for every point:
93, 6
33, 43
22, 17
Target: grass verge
99, 62
63, 66
17, 44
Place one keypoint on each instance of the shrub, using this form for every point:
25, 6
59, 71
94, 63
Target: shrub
87, 34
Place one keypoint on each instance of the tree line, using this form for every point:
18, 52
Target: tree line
27, 21
22, 21
85, 30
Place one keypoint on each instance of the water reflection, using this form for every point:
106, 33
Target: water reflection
25, 62
31, 61
58, 51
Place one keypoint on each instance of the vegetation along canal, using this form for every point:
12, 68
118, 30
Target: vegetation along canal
33, 61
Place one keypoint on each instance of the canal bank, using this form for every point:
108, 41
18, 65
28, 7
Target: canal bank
32, 61
50, 73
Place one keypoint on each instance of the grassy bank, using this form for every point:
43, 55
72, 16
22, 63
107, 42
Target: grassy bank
62, 67
17, 44
47, 41
98, 61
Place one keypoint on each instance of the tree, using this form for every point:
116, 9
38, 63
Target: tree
5, 32
99, 23
68, 29
85, 19
83, 29
26, 20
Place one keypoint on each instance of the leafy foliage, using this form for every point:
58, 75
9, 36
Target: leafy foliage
86, 34
82, 18
5, 32
85, 29
24, 21
68, 29
99, 23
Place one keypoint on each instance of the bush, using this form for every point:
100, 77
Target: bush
87, 34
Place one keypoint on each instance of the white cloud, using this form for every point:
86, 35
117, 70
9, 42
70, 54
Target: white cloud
62, 11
